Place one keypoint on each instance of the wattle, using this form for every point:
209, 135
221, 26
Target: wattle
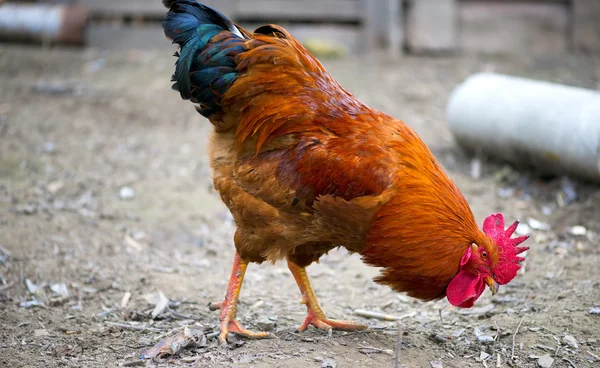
464, 289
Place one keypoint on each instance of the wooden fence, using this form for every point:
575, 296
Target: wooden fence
513, 26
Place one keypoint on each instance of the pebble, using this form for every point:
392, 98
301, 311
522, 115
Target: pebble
49, 147
265, 324
483, 356
546, 210
41, 333
537, 225
571, 341
458, 332
545, 361
126, 193
485, 339
577, 230
436, 364
595, 310
329, 363
523, 229
505, 192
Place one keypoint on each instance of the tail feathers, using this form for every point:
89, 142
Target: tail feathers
204, 71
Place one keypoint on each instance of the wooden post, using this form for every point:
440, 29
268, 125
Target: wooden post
384, 26
586, 25
431, 25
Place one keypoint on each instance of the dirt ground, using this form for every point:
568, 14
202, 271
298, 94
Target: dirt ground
105, 193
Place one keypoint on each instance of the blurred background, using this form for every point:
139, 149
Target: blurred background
414, 26
111, 234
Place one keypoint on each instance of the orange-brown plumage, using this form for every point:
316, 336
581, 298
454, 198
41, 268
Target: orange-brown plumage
305, 167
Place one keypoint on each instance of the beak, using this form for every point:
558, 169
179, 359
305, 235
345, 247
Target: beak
492, 284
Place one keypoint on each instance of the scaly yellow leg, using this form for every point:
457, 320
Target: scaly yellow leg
315, 315
228, 305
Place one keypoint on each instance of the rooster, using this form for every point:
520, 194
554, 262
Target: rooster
305, 167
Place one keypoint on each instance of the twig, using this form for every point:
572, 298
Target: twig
385, 351
549, 330
7, 286
132, 327
497, 333
498, 361
21, 273
381, 316
375, 315
398, 346
570, 362
512, 353
593, 355
178, 315
214, 334
5, 251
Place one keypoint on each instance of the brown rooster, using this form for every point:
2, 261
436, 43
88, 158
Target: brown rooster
305, 167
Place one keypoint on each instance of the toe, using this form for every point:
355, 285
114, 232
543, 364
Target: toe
345, 325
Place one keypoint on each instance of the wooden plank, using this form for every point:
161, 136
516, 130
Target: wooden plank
130, 7
346, 35
290, 10
106, 36
430, 25
144, 7
586, 25
564, 2
384, 26
500, 27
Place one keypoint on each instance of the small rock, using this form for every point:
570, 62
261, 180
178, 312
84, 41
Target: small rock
53, 88
523, 229
577, 230
546, 210
482, 338
568, 194
505, 192
49, 147
30, 303
27, 209
483, 356
329, 363
126, 193
438, 338
476, 168
595, 310
537, 225
436, 364
41, 333
458, 332
571, 341
55, 186
265, 324
60, 289
545, 361
485, 339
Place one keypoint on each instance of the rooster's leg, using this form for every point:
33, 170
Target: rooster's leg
315, 315
228, 305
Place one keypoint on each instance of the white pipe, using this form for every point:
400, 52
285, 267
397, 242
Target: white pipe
553, 127
39, 22
34, 19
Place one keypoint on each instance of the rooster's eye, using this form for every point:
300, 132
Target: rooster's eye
484, 254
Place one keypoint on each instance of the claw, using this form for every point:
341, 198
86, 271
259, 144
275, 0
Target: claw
323, 323
228, 306
315, 315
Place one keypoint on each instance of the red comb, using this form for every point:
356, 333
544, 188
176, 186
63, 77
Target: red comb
508, 264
